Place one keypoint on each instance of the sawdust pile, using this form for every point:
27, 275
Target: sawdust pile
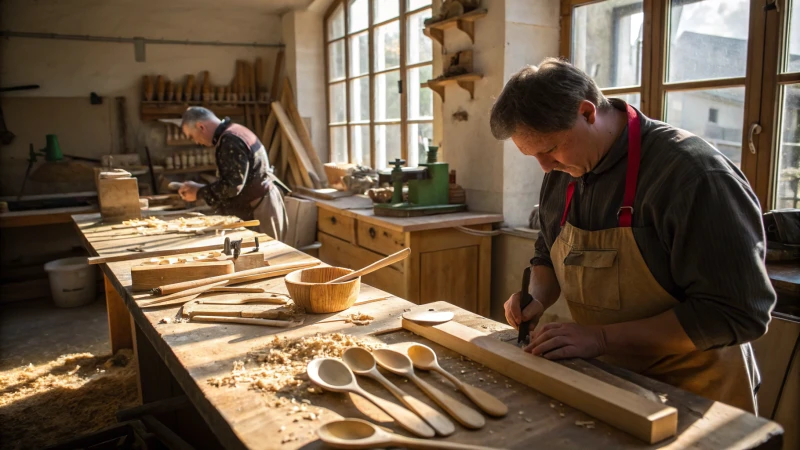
281, 366
75, 394
154, 225
359, 319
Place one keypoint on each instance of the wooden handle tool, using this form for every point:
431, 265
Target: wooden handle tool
185, 293
379, 264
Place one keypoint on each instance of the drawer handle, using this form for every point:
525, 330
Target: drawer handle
333, 220
372, 232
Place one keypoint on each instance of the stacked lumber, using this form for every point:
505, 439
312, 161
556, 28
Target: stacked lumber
288, 143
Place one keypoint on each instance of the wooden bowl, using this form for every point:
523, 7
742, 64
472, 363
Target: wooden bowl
307, 289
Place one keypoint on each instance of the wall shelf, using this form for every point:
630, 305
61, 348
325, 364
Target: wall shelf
464, 22
466, 81
195, 169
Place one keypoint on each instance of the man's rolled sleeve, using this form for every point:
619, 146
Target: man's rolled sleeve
716, 237
541, 255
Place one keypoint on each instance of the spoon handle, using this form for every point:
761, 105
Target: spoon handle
490, 404
439, 422
404, 417
462, 413
428, 444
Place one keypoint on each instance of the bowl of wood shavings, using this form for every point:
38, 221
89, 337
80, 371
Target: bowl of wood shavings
308, 289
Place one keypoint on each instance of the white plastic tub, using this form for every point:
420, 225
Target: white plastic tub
72, 282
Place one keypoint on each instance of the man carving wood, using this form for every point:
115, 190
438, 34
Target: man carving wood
246, 187
652, 236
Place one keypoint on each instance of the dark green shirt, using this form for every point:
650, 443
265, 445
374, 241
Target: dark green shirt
697, 224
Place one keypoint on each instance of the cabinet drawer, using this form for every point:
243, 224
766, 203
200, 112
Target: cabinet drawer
336, 225
337, 252
379, 239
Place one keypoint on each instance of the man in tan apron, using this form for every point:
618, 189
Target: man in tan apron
652, 237
246, 187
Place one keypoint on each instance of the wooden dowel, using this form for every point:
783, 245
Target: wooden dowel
185, 293
237, 277
246, 320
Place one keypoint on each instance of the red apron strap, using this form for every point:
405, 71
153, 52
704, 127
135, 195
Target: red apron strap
625, 213
570, 192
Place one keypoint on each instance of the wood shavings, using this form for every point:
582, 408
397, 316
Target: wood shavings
154, 225
359, 319
280, 367
588, 424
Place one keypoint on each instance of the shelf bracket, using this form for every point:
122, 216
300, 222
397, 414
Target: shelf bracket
439, 89
435, 34
467, 26
468, 86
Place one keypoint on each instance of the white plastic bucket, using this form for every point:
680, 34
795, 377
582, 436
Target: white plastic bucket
72, 281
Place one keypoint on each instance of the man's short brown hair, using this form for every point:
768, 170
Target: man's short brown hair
544, 99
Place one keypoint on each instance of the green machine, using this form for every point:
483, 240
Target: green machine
428, 189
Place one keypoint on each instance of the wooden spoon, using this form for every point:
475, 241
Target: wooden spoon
356, 433
333, 375
379, 264
424, 358
361, 362
400, 364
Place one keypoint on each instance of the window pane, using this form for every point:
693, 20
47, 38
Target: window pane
387, 145
339, 144
787, 193
359, 99
359, 54
359, 141
359, 15
336, 99
336, 23
420, 100
336, 60
792, 60
634, 100
417, 4
387, 46
607, 42
387, 96
383, 10
420, 136
419, 46
716, 115
708, 39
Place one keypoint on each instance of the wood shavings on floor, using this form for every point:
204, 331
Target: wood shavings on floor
359, 319
280, 367
74, 394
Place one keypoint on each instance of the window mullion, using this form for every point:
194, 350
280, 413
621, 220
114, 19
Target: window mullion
404, 94
347, 78
371, 49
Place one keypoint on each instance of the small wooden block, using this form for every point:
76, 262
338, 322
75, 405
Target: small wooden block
118, 197
146, 277
247, 261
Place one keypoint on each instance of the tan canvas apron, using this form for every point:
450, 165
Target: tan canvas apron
605, 280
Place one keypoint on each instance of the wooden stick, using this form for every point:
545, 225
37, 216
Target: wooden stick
274, 150
302, 131
228, 226
247, 321
297, 146
238, 277
185, 293
379, 264
276, 76
241, 289
167, 252
647, 420
268, 314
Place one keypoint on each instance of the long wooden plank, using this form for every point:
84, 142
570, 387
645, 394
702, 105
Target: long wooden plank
306, 168
647, 420
274, 150
305, 137
169, 252
290, 164
269, 129
276, 76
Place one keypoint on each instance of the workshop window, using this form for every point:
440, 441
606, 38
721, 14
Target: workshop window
677, 59
377, 57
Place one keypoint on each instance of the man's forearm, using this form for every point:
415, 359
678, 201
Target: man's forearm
658, 335
544, 285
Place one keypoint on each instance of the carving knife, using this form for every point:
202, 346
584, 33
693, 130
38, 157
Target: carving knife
525, 299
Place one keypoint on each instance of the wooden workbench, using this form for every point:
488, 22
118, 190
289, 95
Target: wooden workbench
180, 358
445, 263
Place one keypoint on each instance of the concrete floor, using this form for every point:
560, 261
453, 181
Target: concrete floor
37, 331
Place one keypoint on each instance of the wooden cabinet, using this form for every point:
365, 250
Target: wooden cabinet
445, 264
